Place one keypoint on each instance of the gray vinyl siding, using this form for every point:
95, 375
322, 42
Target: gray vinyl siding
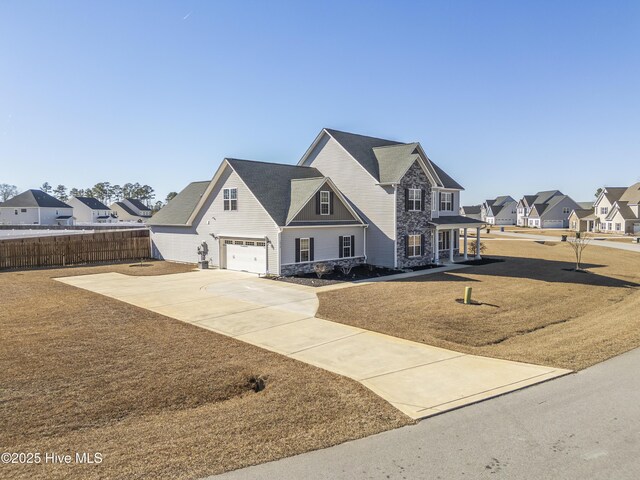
308, 212
455, 200
8, 216
374, 203
46, 215
554, 218
250, 220
325, 241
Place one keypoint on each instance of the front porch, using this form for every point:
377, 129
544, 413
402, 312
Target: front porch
448, 246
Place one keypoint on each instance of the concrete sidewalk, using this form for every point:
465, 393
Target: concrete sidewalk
630, 247
420, 380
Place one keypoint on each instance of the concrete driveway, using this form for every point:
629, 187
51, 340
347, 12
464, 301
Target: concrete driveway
418, 379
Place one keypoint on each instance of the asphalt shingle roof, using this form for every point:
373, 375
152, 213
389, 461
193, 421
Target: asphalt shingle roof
92, 203
301, 191
34, 198
138, 204
632, 194
270, 183
472, 209
179, 209
384, 166
455, 220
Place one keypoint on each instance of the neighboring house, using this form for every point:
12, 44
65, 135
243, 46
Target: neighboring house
525, 205
131, 210
35, 207
471, 211
603, 206
582, 219
91, 210
552, 214
499, 211
623, 215
351, 199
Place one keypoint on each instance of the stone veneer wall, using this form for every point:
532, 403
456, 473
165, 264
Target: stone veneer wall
302, 268
412, 223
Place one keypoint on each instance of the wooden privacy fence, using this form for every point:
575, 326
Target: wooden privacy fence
75, 249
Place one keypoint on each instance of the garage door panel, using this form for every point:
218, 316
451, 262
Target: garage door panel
247, 258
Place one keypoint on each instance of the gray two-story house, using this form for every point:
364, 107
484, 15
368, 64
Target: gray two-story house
351, 199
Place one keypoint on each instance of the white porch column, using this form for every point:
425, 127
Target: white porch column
451, 237
465, 244
478, 257
436, 247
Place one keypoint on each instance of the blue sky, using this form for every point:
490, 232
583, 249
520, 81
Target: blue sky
508, 97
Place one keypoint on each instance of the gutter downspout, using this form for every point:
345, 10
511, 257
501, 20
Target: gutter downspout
365, 242
279, 250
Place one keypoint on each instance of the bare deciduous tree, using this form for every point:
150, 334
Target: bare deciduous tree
7, 191
578, 243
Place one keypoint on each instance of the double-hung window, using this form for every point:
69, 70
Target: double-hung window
230, 196
414, 246
446, 201
565, 210
415, 199
325, 202
305, 249
347, 248
604, 210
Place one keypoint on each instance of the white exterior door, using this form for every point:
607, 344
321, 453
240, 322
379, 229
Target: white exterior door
246, 256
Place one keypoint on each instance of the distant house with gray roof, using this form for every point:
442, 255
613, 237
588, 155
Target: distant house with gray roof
471, 211
617, 210
546, 209
35, 207
131, 210
499, 211
351, 199
91, 210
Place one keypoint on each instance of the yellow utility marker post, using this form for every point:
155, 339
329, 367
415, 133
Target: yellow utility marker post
467, 295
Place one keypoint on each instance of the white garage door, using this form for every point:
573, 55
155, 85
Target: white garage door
552, 224
245, 255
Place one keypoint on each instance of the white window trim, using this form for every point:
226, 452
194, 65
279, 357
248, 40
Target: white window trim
228, 196
417, 247
415, 203
307, 250
326, 202
441, 238
346, 239
446, 200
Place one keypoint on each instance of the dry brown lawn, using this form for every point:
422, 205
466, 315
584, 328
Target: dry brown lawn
158, 398
532, 308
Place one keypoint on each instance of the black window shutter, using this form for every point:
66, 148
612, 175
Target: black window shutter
422, 244
297, 250
439, 200
311, 257
406, 199
353, 245
406, 246
423, 193
340, 244
318, 203
331, 195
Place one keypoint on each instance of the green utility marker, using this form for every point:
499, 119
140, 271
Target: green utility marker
467, 295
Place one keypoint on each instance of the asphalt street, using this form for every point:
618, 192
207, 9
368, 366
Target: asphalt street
581, 426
